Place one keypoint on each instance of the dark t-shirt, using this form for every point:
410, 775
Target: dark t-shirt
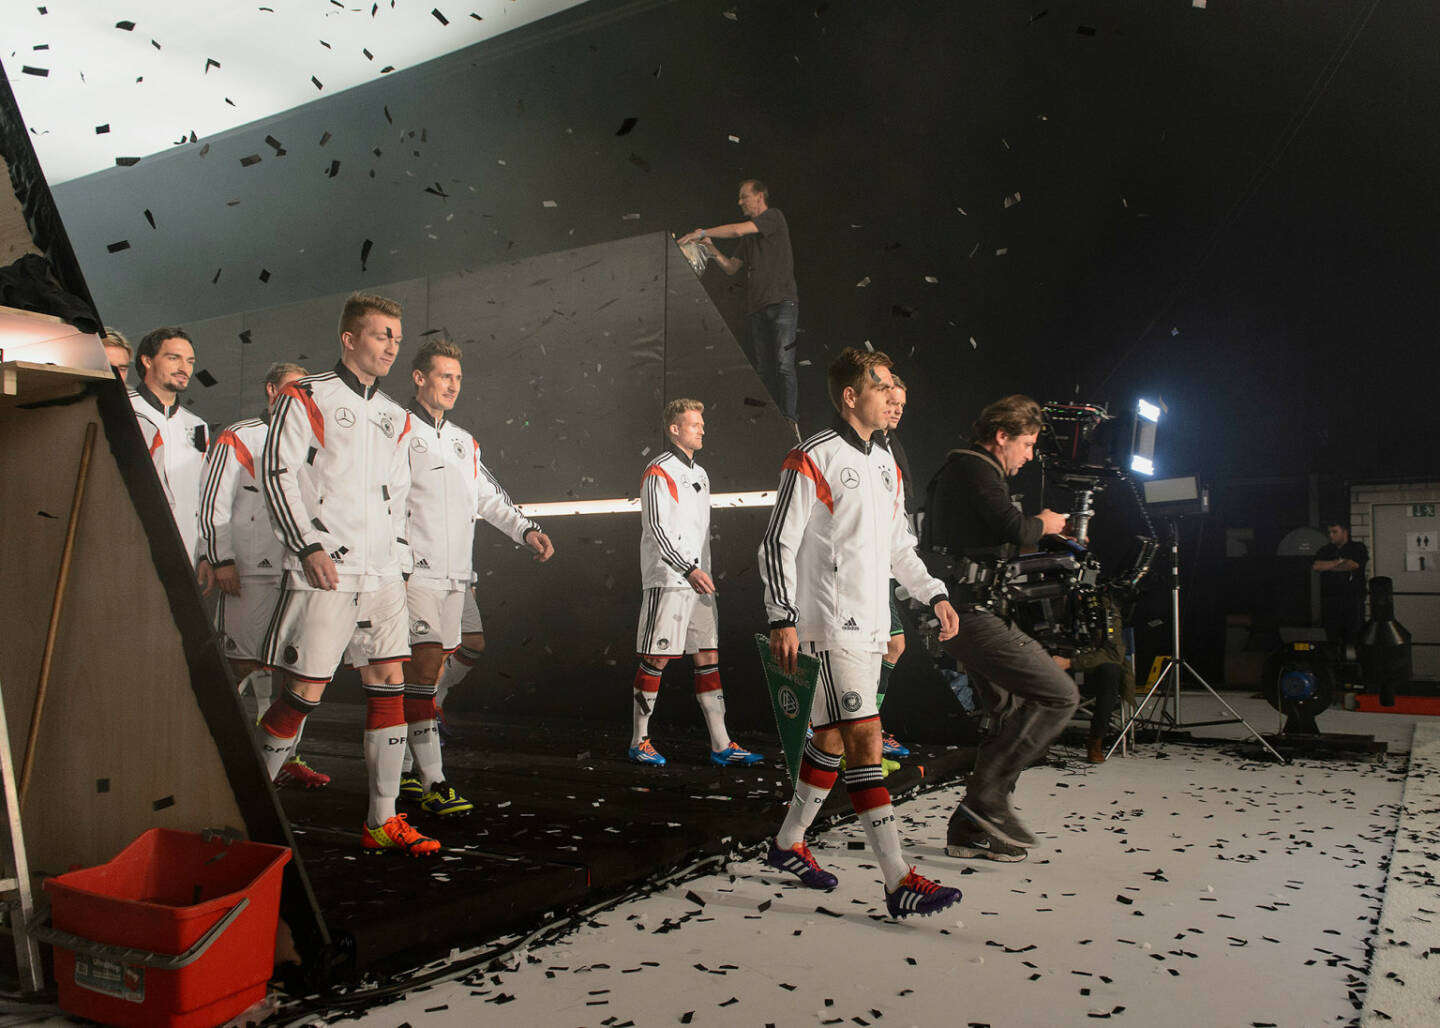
1350, 585
969, 510
769, 262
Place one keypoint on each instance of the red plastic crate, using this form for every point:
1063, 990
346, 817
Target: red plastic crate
162, 894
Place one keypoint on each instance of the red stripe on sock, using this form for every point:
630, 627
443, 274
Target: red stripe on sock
817, 776
384, 712
419, 708
868, 798
708, 681
646, 682
282, 721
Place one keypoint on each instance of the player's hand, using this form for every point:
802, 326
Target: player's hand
701, 582
320, 571
949, 620
785, 647
1052, 523
541, 544
205, 575
690, 237
1063, 663
228, 579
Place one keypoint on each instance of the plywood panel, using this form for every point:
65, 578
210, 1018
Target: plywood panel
123, 745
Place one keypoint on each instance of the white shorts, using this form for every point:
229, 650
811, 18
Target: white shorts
846, 688
676, 621
434, 615
470, 623
243, 620
313, 630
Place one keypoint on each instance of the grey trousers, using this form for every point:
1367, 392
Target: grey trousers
1021, 684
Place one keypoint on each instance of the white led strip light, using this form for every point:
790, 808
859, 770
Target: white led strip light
562, 508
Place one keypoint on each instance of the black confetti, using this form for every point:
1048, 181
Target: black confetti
264, 275
163, 802
102, 785
334, 169
47, 514
123, 244
205, 378
440, 17
253, 159
316, 82
124, 26
100, 130
365, 252
127, 162
217, 276
627, 126
275, 145
210, 62
149, 217
41, 72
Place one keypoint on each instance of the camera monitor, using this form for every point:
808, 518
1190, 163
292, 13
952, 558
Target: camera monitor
1183, 495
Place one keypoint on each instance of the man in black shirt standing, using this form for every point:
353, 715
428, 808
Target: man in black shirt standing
1341, 564
772, 303
970, 516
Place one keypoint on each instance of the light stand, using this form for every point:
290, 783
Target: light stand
1167, 716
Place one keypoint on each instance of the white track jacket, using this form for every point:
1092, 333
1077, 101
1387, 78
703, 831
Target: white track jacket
235, 525
449, 489
837, 535
336, 478
177, 440
674, 521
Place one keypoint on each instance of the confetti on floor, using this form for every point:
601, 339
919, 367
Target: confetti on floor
1248, 889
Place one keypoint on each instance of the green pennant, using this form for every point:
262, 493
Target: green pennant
791, 697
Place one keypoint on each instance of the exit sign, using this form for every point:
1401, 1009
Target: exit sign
1422, 510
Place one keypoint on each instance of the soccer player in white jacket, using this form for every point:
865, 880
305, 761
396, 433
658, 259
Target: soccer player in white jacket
677, 609
337, 480
837, 535
449, 489
240, 553
176, 438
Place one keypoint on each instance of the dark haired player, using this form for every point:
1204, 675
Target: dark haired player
836, 536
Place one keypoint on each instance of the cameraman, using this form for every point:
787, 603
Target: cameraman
972, 519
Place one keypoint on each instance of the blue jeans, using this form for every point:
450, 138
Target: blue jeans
772, 333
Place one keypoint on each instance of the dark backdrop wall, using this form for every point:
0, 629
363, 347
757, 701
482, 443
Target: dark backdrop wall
1232, 207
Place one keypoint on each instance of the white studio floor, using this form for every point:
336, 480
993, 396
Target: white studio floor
1182, 885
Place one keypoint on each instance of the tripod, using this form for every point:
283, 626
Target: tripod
1167, 715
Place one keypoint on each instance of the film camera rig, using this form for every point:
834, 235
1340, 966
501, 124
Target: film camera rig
1059, 596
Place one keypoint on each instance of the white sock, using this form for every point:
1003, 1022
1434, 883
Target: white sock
384, 753
408, 764
274, 752
424, 735
872, 803
818, 771
262, 687
457, 666
712, 704
644, 695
